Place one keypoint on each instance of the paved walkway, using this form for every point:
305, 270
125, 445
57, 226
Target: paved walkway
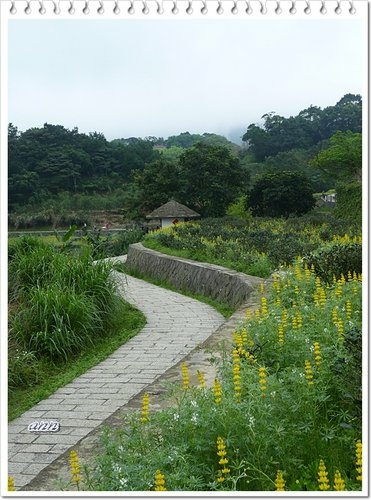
175, 326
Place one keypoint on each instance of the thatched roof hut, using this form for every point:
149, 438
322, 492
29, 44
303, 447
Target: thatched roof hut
171, 213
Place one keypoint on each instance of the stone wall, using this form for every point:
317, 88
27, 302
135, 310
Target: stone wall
214, 281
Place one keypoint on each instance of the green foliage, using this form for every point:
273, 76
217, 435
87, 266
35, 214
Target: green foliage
213, 177
281, 194
62, 302
342, 159
238, 209
256, 247
32, 379
288, 419
336, 258
349, 201
111, 245
308, 128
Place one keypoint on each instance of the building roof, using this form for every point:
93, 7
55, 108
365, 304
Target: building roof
172, 209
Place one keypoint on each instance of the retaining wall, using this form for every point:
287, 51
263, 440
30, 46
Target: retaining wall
214, 281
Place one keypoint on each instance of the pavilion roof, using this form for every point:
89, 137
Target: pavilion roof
172, 209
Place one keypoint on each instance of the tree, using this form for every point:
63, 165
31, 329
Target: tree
281, 194
159, 181
342, 160
213, 179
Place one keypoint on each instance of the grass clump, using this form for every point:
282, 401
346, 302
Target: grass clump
62, 308
283, 414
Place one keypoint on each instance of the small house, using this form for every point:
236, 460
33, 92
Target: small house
172, 212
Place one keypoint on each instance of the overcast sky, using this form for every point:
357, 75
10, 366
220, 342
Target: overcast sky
161, 77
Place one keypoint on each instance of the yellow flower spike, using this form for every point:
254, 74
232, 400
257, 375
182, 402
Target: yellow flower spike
340, 328
280, 335
349, 275
264, 308
223, 460
257, 314
322, 298
299, 319
323, 481
248, 314
308, 372
217, 391
262, 372
201, 380
317, 354
11, 486
359, 459
244, 336
75, 468
159, 481
261, 288
145, 408
334, 315
279, 481
236, 376
294, 323
339, 483
185, 376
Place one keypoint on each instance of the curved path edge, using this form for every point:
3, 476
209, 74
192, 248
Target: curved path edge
204, 357
175, 326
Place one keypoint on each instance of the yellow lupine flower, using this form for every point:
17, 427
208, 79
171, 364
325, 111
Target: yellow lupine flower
323, 481
11, 486
308, 372
201, 379
145, 408
294, 323
263, 380
280, 335
236, 375
248, 314
217, 391
185, 376
279, 481
223, 460
339, 483
75, 468
359, 460
159, 481
264, 308
317, 354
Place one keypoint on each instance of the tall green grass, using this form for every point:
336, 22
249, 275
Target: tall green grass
60, 304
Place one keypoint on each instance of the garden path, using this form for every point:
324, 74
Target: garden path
175, 326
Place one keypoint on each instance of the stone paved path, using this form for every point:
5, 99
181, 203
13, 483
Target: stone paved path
175, 326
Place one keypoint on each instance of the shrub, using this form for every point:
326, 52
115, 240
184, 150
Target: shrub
336, 259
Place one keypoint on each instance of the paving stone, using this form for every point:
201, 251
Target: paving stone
86, 402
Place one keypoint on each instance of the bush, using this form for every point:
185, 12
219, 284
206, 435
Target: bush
336, 259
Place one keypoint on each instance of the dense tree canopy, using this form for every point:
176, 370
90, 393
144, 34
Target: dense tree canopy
205, 171
310, 126
342, 160
281, 194
213, 178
